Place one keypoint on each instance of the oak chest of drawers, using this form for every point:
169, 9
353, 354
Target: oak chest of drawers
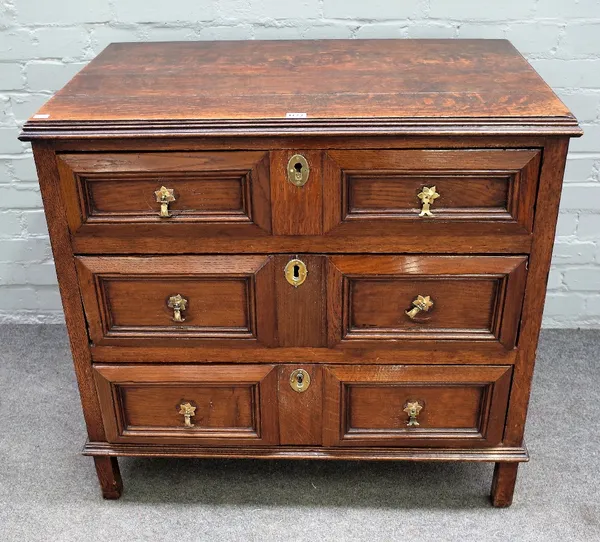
326, 249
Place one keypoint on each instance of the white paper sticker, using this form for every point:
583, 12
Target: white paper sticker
41, 116
295, 115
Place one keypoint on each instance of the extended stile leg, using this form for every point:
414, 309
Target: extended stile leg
503, 484
109, 477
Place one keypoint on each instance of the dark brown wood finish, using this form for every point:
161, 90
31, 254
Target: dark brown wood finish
383, 352
225, 194
301, 310
473, 186
234, 405
109, 477
386, 237
502, 454
229, 189
461, 406
300, 141
71, 301
503, 484
555, 156
127, 299
474, 299
296, 210
383, 119
352, 86
300, 413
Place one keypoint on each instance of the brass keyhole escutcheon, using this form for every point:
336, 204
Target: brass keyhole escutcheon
298, 170
295, 272
299, 380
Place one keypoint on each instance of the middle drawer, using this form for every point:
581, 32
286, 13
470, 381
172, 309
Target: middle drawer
345, 302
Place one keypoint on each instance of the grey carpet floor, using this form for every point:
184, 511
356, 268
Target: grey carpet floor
48, 492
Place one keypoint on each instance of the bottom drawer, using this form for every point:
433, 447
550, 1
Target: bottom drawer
203, 405
442, 406
338, 405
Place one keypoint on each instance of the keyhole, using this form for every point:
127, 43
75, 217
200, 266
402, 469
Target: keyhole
298, 168
299, 379
296, 272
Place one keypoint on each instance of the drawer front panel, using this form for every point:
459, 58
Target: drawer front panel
199, 199
415, 406
383, 298
353, 200
390, 186
212, 405
228, 190
209, 299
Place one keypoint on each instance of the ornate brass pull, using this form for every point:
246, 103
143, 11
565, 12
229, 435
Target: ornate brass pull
164, 196
298, 170
295, 272
178, 304
413, 409
187, 410
427, 197
420, 304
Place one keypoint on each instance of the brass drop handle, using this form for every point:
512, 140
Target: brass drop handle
427, 197
413, 409
178, 304
421, 303
187, 410
164, 196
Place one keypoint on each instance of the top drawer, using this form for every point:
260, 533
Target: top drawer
433, 186
225, 189
472, 200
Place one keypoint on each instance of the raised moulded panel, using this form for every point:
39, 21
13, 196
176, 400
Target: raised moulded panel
460, 406
206, 299
188, 404
370, 188
105, 191
379, 299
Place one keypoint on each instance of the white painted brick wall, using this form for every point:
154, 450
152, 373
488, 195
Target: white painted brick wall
42, 44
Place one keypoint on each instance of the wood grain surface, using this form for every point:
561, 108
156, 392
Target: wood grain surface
383, 119
127, 299
226, 189
234, 405
461, 406
262, 80
474, 298
300, 413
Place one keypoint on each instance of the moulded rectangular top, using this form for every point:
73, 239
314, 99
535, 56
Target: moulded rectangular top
290, 87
